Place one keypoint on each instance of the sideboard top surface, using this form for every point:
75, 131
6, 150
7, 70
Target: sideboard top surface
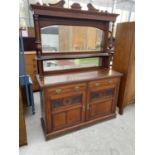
67, 78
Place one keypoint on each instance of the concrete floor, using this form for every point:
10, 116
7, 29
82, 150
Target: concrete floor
113, 137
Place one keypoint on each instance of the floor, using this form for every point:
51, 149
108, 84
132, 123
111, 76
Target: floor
113, 137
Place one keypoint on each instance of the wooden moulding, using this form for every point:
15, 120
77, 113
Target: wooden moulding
71, 56
64, 131
58, 10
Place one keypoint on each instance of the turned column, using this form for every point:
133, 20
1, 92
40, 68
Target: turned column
38, 44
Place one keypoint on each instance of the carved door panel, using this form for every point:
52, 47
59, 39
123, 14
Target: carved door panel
67, 109
100, 102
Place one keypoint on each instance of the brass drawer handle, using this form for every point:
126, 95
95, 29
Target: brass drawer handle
58, 91
97, 84
77, 88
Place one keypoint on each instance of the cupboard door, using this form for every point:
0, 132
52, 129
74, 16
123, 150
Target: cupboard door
100, 102
67, 109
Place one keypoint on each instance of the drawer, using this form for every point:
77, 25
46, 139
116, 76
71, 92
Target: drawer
31, 69
67, 89
30, 62
102, 83
30, 59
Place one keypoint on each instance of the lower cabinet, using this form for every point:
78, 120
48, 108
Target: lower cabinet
76, 105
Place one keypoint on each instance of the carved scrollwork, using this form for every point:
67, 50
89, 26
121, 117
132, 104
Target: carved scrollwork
92, 8
35, 16
72, 100
105, 12
76, 6
38, 3
67, 101
60, 4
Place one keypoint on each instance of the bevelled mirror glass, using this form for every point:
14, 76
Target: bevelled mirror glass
52, 65
62, 38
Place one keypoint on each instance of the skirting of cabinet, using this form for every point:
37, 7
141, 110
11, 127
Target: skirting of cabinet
61, 132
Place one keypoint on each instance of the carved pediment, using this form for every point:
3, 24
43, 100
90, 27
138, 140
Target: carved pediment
60, 4
92, 8
76, 6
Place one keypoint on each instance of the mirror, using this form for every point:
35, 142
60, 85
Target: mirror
52, 65
61, 38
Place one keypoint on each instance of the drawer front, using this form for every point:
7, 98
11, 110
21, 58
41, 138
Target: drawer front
57, 91
31, 69
103, 83
30, 59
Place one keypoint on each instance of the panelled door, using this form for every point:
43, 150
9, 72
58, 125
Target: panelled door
67, 106
101, 97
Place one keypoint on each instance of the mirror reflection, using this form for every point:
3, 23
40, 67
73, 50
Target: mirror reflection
52, 65
60, 38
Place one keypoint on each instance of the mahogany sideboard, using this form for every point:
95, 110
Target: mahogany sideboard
75, 96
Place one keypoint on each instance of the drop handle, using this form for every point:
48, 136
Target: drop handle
58, 91
77, 88
97, 84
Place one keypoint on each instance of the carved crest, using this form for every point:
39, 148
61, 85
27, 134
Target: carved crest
60, 4
76, 6
38, 3
91, 7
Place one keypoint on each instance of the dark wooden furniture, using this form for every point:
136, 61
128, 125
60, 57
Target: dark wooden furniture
75, 98
124, 62
29, 43
22, 127
31, 67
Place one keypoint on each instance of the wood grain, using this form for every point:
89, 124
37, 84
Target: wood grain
124, 62
22, 126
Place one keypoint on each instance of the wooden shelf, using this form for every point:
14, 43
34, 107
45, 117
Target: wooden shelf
73, 77
71, 56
